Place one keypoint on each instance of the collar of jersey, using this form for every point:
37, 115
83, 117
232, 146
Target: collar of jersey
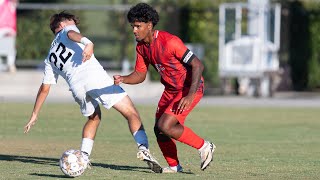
155, 34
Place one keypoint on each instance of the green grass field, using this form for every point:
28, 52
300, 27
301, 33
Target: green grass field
252, 143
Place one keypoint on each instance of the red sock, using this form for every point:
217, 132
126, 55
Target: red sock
190, 138
169, 151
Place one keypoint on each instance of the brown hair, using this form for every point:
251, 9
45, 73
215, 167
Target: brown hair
62, 16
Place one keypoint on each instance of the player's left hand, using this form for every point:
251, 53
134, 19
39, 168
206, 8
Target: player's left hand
184, 103
87, 52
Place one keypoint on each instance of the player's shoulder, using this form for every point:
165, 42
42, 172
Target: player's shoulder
71, 28
169, 41
166, 37
64, 32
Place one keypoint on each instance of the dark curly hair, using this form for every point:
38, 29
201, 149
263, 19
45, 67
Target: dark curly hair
57, 18
142, 12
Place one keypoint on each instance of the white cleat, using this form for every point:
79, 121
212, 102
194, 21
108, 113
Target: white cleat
175, 169
206, 154
86, 160
144, 155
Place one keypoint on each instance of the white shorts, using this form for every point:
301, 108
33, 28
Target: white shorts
97, 88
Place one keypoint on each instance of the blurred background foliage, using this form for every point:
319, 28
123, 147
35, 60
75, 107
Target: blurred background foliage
194, 21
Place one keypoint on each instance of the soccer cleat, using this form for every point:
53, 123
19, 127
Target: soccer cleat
144, 155
169, 169
206, 154
86, 159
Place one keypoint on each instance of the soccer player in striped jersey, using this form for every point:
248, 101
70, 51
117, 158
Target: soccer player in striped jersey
71, 56
181, 75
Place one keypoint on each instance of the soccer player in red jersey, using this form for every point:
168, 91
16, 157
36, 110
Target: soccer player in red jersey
181, 74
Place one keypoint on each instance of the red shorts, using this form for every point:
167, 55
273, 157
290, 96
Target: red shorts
169, 102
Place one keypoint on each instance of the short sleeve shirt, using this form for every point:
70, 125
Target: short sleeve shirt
170, 57
65, 59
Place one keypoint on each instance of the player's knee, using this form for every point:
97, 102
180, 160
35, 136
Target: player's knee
130, 113
160, 136
133, 117
163, 127
96, 116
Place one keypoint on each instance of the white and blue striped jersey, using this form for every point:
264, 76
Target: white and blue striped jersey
65, 59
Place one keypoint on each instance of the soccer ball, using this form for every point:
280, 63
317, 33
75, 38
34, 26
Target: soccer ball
72, 163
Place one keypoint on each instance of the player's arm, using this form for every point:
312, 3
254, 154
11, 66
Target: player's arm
41, 97
135, 77
182, 53
138, 75
197, 69
88, 49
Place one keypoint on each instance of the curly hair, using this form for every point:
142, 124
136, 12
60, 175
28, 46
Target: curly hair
62, 16
142, 12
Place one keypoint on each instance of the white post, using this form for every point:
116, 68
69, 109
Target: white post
257, 20
258, 26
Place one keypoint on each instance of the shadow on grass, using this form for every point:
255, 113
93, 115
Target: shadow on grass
50, 175
29, 159
122, 168
55, 162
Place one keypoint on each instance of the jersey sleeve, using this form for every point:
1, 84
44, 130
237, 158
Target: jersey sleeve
180, 51
66, 29
141, 63
71, 27
50, 77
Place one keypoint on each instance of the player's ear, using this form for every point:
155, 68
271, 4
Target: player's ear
62, 24
150, 26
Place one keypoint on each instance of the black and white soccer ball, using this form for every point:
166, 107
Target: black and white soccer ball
72, 163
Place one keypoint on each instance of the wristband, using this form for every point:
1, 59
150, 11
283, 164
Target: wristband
85, 41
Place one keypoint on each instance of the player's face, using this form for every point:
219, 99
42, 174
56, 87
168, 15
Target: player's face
142, 31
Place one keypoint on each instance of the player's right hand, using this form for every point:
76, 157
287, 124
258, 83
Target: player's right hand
87, 52
31, 122
117, 79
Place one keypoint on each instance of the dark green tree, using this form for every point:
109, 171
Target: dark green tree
34, 35
299, 48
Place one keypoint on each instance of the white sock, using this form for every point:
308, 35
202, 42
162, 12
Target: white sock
87, 145
142, 147
204, 145
175, 168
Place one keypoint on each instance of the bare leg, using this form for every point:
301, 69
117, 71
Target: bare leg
89, 131
127, 109
91, 126
170, 126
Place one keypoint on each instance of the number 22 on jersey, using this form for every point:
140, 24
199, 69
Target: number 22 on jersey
60, 56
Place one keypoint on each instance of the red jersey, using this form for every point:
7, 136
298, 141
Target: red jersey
170, 57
